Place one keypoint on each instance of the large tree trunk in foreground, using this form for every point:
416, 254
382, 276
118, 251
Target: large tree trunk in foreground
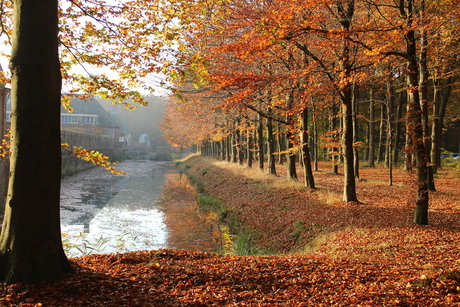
30, 244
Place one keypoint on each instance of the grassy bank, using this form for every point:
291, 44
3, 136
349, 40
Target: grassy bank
256, 211
282, 216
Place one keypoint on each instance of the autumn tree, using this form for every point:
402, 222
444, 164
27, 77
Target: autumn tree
339, 67
30, 243
124, 37
443, 67
260, 53
408, 26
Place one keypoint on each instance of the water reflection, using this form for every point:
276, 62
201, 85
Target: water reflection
188, 227
150, 208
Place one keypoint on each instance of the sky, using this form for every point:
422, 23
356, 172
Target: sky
94, 70
4, 48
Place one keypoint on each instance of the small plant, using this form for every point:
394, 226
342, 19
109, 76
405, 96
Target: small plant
228, 244
82, 245
200, 187
299, 227
122, 240
329, 197
208, 200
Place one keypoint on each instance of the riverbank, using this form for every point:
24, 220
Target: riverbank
286, 217
335, 254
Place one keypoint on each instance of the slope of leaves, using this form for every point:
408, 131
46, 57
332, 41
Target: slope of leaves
367, 254
186, 278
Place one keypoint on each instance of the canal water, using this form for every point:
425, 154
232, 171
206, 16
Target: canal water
151, 207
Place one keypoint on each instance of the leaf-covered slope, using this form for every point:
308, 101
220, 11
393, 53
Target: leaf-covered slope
185, 278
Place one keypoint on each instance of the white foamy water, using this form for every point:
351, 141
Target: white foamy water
106, 213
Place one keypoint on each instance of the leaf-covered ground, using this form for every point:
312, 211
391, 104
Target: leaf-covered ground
366, 254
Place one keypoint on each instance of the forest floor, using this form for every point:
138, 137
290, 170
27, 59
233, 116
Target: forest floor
326, 253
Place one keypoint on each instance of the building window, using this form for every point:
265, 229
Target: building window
69, 119
88, 120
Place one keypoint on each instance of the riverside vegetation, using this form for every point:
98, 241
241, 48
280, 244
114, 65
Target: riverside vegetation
305, 247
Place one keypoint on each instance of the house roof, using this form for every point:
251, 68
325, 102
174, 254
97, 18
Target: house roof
123, 128
91, 106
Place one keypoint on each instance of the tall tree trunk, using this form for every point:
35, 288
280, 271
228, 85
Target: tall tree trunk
290, 156
280, 143
349, 190
309, 180
371, 158
315, 146
334, 155
223, 145
390, 120
416, 127
382, 136
423, 89
239, 146
355, 132
249, 146
441, 97
218, 150
346, 95
30, 242
408, 150
260, 142
234, 146
397, 129
229, 147
435, 132
271, 145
